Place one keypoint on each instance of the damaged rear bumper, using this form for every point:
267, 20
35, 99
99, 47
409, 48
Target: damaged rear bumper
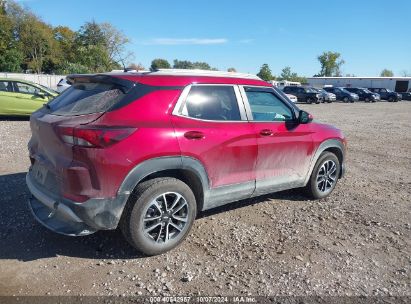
71, 218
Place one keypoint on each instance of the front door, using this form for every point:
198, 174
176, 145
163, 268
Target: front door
284, 147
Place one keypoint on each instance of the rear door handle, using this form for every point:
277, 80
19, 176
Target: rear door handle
195, 135
266, 132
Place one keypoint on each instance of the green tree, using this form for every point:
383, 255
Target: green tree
231, 70
386, 73
265, 73
331, 63
185, 64
159, 63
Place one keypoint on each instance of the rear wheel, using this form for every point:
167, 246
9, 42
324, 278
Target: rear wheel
345, 99
159, 215
391, 99
309, 100
367, 99
324, 176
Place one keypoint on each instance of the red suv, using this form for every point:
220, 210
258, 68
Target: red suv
148, 151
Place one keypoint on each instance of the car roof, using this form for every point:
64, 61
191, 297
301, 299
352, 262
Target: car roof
173, 77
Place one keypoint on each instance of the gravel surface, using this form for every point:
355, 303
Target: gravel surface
356, 242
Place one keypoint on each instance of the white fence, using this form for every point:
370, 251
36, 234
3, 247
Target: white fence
43, 79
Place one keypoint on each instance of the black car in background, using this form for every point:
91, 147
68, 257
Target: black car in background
364, 94
342, 94
303, 94
406, 95
387, 94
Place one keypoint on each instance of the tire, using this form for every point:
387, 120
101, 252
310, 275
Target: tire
391, 99
345, 99
309, 100
324, 162
367, 99
147, 201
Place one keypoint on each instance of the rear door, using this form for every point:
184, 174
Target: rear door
212, 127
284, 147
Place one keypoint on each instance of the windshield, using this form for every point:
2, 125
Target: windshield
366, 90
311, 90
345, 91
47, 89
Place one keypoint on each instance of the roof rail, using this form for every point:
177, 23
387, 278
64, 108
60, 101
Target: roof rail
195, 72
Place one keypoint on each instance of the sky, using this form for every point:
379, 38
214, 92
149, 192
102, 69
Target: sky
370, 35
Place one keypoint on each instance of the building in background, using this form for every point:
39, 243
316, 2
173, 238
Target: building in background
397, 84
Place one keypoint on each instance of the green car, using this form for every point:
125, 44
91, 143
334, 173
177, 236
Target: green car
22, 97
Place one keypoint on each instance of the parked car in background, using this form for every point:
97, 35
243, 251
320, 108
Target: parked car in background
21, 97
364, 94
153, 152
62, 85
342, 94
387, 94
326, 97
406, 95
303, 94
293, 98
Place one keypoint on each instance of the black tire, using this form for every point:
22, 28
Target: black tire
345, 99
312, 187
329, 101
367, 99
391, 99
132, 223
309, 100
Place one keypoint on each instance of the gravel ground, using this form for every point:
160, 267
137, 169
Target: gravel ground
356, 242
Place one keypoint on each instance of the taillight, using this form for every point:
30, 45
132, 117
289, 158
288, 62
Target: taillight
94, 137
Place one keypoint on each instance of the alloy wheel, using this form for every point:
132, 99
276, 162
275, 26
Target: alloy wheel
327, 176
166, 217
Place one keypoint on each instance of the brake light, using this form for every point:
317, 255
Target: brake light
94, 137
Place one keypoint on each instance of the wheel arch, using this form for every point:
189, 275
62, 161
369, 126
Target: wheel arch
334, 146
187, 169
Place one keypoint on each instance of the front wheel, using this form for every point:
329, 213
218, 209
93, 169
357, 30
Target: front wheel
346, 99
309, 100
324, 176
391, 99
367, 99
159, 215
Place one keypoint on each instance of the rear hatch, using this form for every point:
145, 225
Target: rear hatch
51, 145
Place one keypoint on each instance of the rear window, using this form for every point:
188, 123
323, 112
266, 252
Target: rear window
86, 98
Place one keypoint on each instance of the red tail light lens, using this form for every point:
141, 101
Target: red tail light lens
94, 137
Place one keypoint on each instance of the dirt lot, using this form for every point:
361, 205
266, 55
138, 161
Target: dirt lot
356, 242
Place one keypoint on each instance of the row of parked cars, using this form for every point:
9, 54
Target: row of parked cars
347, 94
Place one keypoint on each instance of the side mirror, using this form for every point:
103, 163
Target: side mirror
305, 117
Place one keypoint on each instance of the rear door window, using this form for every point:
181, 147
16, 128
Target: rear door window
210, 102
86, 98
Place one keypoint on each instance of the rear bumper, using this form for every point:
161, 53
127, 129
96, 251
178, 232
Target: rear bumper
71, 218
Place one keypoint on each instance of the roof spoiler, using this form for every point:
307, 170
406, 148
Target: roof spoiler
124, 84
